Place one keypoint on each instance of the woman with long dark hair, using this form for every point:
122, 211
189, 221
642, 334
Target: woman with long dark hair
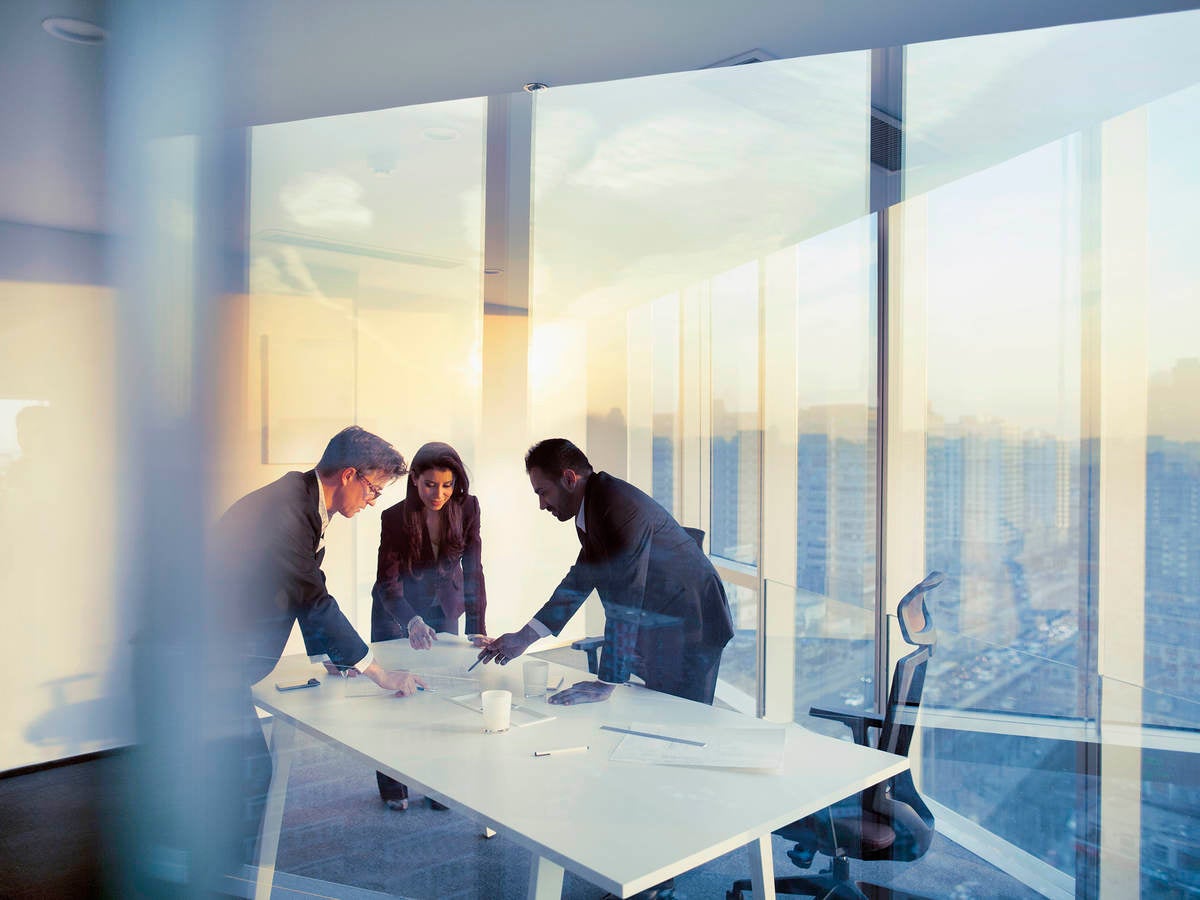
430, 571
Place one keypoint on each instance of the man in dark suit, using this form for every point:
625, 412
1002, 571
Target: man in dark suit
667, 617
268, 549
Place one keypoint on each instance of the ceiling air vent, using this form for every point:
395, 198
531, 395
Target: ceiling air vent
886, 142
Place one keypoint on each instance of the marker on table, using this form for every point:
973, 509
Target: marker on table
558, 752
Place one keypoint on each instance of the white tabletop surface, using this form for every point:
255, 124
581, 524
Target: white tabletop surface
621, 826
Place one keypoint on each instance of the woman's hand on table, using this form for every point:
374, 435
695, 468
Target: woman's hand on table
420, 635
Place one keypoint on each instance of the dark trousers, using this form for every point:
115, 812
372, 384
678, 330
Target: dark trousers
692, 674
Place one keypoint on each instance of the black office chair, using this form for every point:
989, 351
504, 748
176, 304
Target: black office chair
889, 820
591, 645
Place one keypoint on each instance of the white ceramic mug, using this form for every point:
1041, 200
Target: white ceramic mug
497, 711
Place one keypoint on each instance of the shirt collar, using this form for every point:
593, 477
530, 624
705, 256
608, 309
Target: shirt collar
579, 520
322, 510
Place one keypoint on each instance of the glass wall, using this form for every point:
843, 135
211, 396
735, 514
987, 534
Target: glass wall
715, 312
836, 455
58, 443
657, 202
1044, 264
365, 299
1170, 854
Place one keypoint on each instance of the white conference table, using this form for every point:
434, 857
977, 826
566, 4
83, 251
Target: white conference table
621, 826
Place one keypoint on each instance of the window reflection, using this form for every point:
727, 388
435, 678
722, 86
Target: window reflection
735, 416
1002, 476
365, 295
1170, 799
1046, 263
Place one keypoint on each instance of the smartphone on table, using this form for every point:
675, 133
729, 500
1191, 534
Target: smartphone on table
296, 685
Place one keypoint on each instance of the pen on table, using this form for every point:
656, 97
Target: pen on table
657, 737
559, 751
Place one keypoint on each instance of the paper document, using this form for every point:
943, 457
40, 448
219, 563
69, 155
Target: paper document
520, 717
724, 748
362, 686
442, 683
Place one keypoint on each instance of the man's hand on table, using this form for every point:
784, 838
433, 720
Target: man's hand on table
582, 692
420, 635
506, 647
404, 684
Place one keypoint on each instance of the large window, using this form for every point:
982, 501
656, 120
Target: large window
1171, 798
669, 210
1045, 269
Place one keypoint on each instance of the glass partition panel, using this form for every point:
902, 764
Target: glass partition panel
653, 399
995, 747
365, 298
1022, 771
836, 404
365, 307
739, 661
1170, 816
1003, 469
655, 202
1047, 265
59, 452
1173, 414
832, 651
1170, 853
736, 436
645, 186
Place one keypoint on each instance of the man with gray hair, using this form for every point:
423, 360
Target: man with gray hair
268, 549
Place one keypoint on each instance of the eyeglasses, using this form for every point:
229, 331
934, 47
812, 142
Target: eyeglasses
375, 491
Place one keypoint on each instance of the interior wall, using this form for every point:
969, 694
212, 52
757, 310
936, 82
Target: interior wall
65, 693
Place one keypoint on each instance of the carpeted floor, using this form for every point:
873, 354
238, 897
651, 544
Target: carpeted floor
337, 832
339, 840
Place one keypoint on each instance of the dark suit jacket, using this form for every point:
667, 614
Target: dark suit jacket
661, 595
438, 590
270, 574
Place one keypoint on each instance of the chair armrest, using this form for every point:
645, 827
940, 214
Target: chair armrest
857, 721
591, 646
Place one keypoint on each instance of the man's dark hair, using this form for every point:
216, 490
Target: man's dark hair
554, 456
357, 448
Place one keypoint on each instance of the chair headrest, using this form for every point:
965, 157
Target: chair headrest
913, 614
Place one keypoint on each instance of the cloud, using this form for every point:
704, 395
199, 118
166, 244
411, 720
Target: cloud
325, 200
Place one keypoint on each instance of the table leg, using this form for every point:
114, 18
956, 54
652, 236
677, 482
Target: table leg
545, 879
762, 868
282, 738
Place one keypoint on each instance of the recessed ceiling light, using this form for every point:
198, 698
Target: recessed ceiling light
532, 87
493, 270
76, 31
440, 134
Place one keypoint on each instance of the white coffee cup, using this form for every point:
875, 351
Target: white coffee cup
537, 674
497, 710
